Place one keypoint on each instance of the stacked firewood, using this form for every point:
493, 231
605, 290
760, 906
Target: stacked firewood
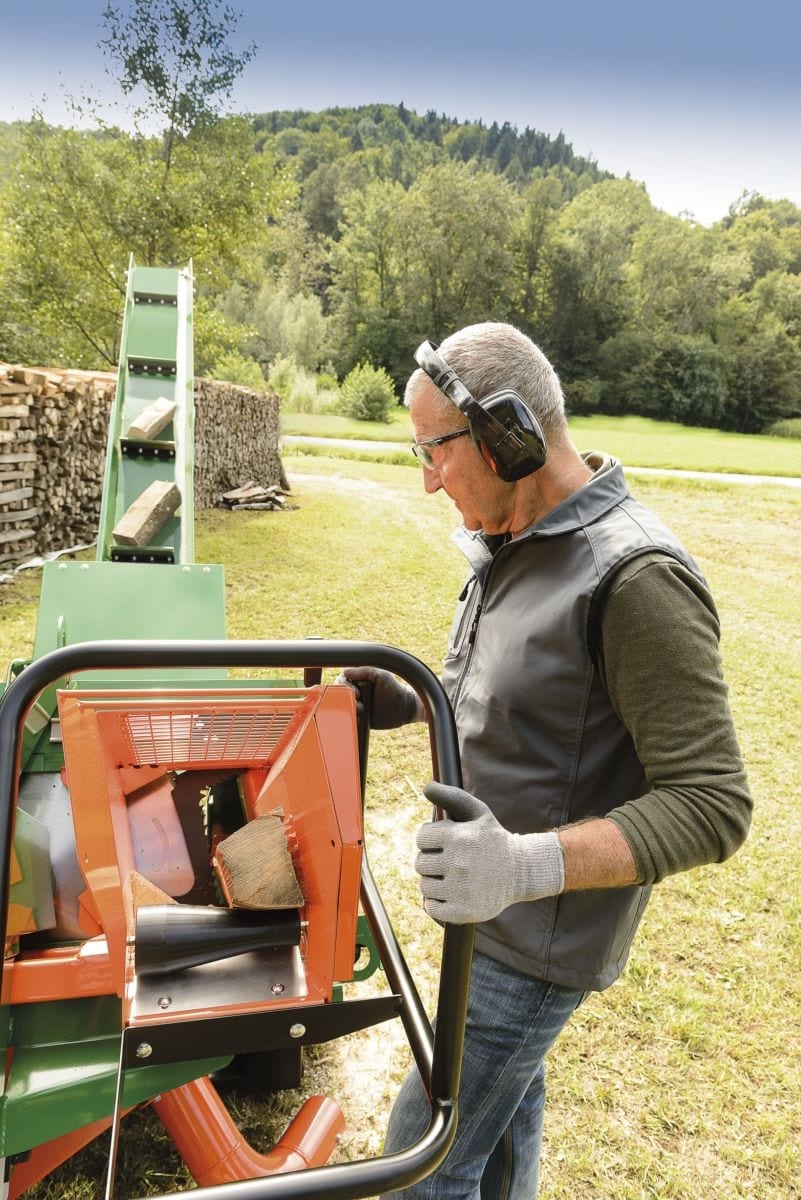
237, 434
52, 443
53, 434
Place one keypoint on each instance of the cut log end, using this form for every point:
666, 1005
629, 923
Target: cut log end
255, 868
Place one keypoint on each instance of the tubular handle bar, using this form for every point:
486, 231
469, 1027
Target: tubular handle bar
439, 1055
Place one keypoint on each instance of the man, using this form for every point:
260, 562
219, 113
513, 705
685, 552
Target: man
598, 751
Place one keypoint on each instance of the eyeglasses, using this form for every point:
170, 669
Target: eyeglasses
421, 449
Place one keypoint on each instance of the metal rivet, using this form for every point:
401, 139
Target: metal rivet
144, 1050
186, 569
297, 1031
277, 989
164, 1001
207, 570
84, 566
62, 566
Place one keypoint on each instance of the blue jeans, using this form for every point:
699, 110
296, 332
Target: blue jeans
512, 1021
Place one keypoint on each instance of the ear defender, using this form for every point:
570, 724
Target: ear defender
507, 434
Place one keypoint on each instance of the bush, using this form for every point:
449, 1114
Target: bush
327, 380
367, 394
234, 367
790, 428
300, 390
281, 377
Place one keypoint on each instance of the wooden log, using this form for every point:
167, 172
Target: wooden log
21, 516
145, 517
19, 552
238, 493
152, 420
11, 497
14, 535
17, 389
27, 456
255, 868
29, 377
14, 476
14, 410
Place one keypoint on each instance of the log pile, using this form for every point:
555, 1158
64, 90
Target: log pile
237, 435
52, 446
53, 431
252, 495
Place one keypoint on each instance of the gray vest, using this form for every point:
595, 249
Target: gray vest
540, 741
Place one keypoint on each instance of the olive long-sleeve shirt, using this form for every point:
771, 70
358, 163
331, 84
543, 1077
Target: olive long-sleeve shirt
660, 662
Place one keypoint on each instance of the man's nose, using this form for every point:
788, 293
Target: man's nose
431, 480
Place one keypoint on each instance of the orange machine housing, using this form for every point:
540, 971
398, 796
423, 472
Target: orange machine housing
295, 751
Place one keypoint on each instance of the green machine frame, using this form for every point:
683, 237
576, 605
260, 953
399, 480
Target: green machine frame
146, 617
65, 1053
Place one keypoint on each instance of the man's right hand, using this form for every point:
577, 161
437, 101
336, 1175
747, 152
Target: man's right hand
393, 703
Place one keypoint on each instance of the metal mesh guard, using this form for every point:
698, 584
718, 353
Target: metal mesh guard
206, 737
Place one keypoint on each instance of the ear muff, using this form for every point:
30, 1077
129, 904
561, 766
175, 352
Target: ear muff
508, 435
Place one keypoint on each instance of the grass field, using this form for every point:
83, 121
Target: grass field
636, 441
681, 1082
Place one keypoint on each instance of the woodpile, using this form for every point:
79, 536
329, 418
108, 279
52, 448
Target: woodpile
237, 434
52, 447
252, 495
53, 431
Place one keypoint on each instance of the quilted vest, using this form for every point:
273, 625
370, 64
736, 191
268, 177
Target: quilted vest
540, 742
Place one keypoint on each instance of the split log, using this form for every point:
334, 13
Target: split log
152, 420
145, 517
255, 867
28, 376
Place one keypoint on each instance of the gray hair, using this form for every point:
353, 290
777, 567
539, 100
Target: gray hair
493, 355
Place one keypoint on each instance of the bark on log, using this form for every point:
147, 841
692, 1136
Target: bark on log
145, 517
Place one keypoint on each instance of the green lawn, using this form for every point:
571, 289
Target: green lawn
681, 1082
636, 441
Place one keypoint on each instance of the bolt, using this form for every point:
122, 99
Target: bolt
84, 566
277, 989
297, 1031
164, 1001
144, 1050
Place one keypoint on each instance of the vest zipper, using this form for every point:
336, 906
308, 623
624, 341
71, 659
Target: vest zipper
471, 637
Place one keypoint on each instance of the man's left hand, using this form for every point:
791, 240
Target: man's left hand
471, 868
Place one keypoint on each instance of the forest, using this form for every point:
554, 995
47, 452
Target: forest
323, 241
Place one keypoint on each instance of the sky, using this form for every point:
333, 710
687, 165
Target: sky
698, 99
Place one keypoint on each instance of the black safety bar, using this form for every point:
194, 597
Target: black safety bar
438, 1054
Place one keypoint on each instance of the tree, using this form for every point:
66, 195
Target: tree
287, 324
428, 259
176, 52
369, 265
83, 202
461, 221
542, 200
587, 300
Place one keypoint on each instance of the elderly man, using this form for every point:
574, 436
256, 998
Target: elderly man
598, 750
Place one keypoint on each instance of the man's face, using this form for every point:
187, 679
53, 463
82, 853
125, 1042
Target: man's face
484, 501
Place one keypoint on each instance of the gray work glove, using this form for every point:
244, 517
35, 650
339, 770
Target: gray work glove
471, 868
393, 703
